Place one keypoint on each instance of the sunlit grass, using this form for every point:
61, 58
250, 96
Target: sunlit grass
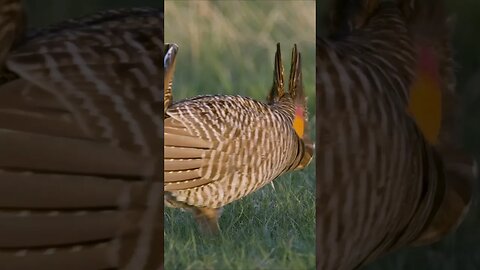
270, 229
228, 47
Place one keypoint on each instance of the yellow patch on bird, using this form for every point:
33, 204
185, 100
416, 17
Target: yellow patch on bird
299, 122
425, 102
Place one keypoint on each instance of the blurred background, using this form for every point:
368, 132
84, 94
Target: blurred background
228, 47
461, 249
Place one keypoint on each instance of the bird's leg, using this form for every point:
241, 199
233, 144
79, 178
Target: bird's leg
207, 219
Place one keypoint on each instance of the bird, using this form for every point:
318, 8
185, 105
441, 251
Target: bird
391, 172
220, 148
81, 134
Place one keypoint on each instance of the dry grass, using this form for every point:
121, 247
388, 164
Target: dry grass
228, 46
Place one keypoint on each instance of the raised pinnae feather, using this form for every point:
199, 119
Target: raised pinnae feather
295, 84
278, 89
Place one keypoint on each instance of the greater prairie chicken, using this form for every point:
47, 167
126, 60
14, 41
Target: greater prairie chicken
80, 138
390, 170
219, 149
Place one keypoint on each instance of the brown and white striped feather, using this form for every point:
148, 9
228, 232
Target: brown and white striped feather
111, 78
376, 184
80, 133
221, 148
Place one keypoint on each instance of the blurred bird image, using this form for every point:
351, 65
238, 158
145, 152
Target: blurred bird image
80, 140
221, 148
390, 169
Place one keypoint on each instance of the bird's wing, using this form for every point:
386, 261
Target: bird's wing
191, 137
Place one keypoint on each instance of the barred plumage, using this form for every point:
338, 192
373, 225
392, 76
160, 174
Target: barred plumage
80, 140
221, 148
387, 175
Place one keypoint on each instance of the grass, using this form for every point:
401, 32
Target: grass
228, 47
274, 228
